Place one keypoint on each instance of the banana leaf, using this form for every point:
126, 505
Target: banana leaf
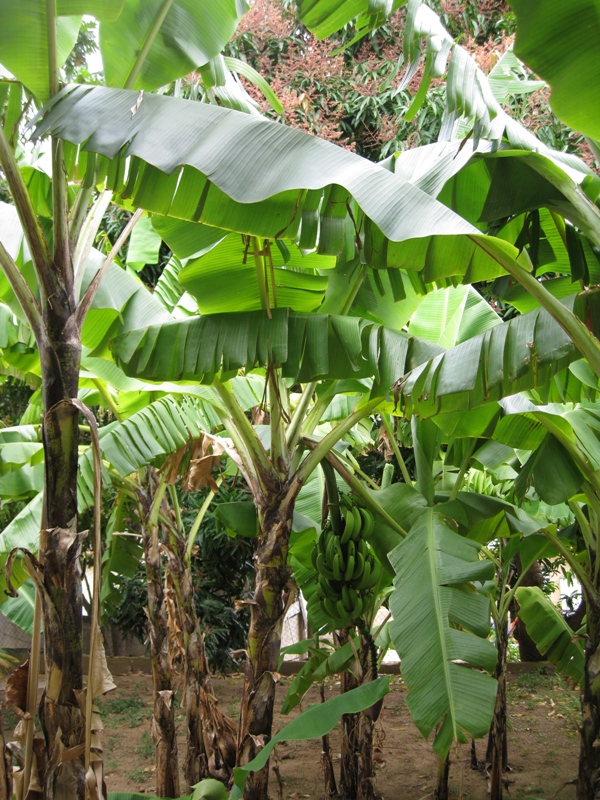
552, 635
440, 631
558, 41
279, 162
313, 722
523, 353
24, 36
190, 34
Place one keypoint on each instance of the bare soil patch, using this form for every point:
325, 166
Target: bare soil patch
543, 743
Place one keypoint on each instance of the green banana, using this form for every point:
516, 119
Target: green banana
349, 568
341, 611
359, 565
350, 550
319, 592
327, 587
358, 608
363, 583
346, 599
337, 548
323, 568
368, 522
373, 577
357, 523
313, 557
349, 525
330, 546
330, 607
337, 567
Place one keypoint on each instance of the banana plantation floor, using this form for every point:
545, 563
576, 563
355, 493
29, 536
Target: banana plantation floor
543, 743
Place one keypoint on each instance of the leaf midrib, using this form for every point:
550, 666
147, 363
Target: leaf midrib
439, 620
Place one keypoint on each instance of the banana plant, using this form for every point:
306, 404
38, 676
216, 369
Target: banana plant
143, 49
561, 465
315, 190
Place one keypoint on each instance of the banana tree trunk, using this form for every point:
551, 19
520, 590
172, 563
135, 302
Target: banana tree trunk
497, 753
267, 611
60, 549
443, 774
329, 783
589, 756
163, 720
210, 735
357, 775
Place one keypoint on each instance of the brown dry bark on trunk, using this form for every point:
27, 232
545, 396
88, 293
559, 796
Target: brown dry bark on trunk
357, 774
267, 611
60, 549
210, 735
326, 760
497, 751
589, 755
163, 720
6, 771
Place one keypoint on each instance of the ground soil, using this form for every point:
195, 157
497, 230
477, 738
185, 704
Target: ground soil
543, 743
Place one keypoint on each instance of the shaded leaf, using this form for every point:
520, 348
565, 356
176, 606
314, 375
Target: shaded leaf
551, 634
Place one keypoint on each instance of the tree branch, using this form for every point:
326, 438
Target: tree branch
90, 293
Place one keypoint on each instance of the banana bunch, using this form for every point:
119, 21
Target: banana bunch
347, 570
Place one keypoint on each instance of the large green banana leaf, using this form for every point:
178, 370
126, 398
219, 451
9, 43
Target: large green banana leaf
291, 184
190, 34
24, 36
562, 439
510, 182
450, 316
547, 627
278, 162
440, 629
559, 41
521, 354
227, 278
308, 347
171, 44
324, 17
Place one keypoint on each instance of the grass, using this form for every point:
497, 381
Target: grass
146, 748
138, 775
544, 686
124, 711
9, 718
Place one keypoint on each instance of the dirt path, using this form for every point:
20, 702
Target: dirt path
543, 743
